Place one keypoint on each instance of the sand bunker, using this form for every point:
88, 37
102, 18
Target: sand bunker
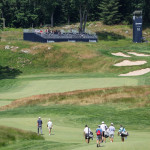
120, 54
138, 54
137, 72
130, 63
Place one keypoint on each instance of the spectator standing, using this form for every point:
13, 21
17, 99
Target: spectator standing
99, 135
49, 126
103, 127
111, 132
39, 125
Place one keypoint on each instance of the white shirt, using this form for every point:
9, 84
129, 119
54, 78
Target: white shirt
103, 127
86, 130
111, 130
49, 124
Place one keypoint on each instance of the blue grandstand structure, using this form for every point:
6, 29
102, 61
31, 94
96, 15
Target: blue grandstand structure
49, 36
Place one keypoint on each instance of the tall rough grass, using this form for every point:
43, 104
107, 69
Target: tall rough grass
139, 96
10, 135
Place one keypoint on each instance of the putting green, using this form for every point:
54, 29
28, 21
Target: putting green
30, 87
3, 103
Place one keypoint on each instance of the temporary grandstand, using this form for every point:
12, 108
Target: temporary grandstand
48, 36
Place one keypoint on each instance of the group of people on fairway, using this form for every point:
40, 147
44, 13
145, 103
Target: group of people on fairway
103, 132
49, 125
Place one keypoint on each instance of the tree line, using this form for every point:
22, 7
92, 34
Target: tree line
35, 13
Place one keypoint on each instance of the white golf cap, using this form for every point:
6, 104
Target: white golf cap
39, 117
112, 124
102, 121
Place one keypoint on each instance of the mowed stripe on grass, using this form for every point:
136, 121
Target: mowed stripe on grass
33, 87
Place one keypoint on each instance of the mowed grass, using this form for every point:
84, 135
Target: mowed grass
69, 122
129, 103
4, 102
64, 137
25, 87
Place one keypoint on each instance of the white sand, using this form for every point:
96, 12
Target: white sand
120, 54
130, 63
137, 72
138, 54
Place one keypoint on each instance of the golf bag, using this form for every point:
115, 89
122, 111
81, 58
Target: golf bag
106, 134
91, 135
124, 134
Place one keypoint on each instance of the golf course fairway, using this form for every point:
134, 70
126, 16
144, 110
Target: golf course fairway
70, 137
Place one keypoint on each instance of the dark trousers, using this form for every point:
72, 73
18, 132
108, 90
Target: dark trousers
39, 129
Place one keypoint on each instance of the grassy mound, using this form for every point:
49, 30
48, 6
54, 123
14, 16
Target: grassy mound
71, 57
123, 105
29, 58
132, 96
11, 135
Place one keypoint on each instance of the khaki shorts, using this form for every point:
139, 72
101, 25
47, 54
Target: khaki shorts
99, 137
111, 135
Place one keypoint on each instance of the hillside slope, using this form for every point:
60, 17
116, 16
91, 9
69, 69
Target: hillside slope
132, 96
29, 58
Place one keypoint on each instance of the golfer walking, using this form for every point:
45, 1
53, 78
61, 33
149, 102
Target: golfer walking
39, 125
121, 131
103, 127
99, 135
86, 133
111, 132
49, 126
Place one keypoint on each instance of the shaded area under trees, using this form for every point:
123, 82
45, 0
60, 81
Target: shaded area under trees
109, 36
8, 73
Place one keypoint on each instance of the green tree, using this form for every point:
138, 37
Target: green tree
110, 12
0, 16
68, 10
25, 15
127, 7
0, 19
50, 6
83, 7
20, 13
146, 10
94, 11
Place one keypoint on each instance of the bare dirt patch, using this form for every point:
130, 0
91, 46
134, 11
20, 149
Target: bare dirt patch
87, 56
36, 49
